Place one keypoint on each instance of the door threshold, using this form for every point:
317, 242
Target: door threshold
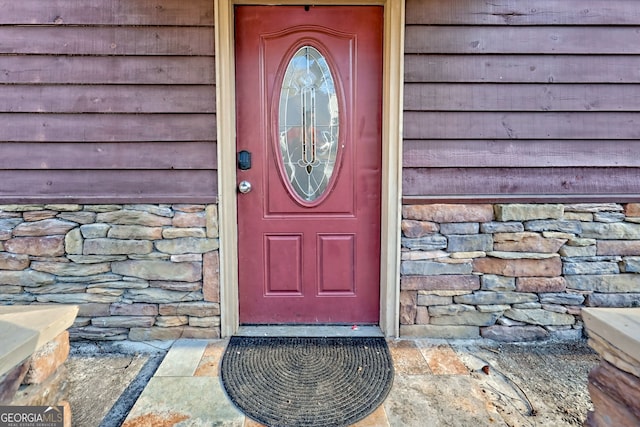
329, 331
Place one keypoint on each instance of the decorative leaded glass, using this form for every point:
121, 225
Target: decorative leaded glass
308, 123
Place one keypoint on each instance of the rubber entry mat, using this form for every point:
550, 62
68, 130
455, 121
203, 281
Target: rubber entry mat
295, 382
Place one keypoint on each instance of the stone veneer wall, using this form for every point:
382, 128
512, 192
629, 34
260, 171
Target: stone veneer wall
137, 272
515, 272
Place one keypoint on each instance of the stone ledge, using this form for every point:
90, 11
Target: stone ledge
614, 388
619, 326
25, 329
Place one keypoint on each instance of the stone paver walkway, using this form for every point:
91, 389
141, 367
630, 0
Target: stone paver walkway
432, 386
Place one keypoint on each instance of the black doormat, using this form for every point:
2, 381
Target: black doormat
284, 381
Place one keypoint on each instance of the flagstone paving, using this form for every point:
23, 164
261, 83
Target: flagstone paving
186, 389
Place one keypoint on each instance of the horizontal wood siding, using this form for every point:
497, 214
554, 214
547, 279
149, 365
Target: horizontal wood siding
523, 99
107, 101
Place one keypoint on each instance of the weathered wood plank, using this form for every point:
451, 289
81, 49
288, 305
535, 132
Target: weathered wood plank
520, 153
62, 40
100, 184
507, 125
107, 98
519, 181
108, 155
524, 12
107, 69
520, 97
522, 40
107, 12
522, 68
523, 198
107, 127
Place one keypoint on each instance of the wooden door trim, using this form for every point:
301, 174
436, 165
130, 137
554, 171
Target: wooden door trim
391, 197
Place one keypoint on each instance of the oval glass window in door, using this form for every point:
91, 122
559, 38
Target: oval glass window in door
308, 123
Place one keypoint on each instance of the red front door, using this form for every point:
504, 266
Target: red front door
309, 88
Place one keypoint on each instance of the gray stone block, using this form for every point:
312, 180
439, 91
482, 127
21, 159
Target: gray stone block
608, 216
630, 265
187, 245
116, 247
501, 227
527, 305
94, 231
607, 283
79, 217
450, 310
76, 298
197, 309
426, 243
159, 270
469, 243
431, 268
428, 300
46, 227
614, 231
155, 295
492, 282
573, 227
605, 258
496, 308
540, 317
578, 251
95, 333
70, 269
16, 298
491, 298
165, 211
133, 217
459, 228
571, 268
524, 212
505, 321
136, 232
561, 298
555, 308
593, 207
123, 321
566, 334
613, 300
8, 224
469, 318
73, 242
514, 333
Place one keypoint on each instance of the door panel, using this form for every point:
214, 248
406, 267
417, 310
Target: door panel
307, 256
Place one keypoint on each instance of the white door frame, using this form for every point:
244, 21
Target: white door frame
391, 198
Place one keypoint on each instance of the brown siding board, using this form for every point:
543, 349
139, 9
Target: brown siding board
520, 153
107, 127
105, 101
108, 155
520, 97
482, 182
114, 185
106, 40
107, 98
528, 100
101, 12
105, 69
522, 40
514, 125
522, 68
523, 12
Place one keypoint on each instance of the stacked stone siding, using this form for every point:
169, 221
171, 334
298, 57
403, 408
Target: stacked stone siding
137, 272
515, 272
